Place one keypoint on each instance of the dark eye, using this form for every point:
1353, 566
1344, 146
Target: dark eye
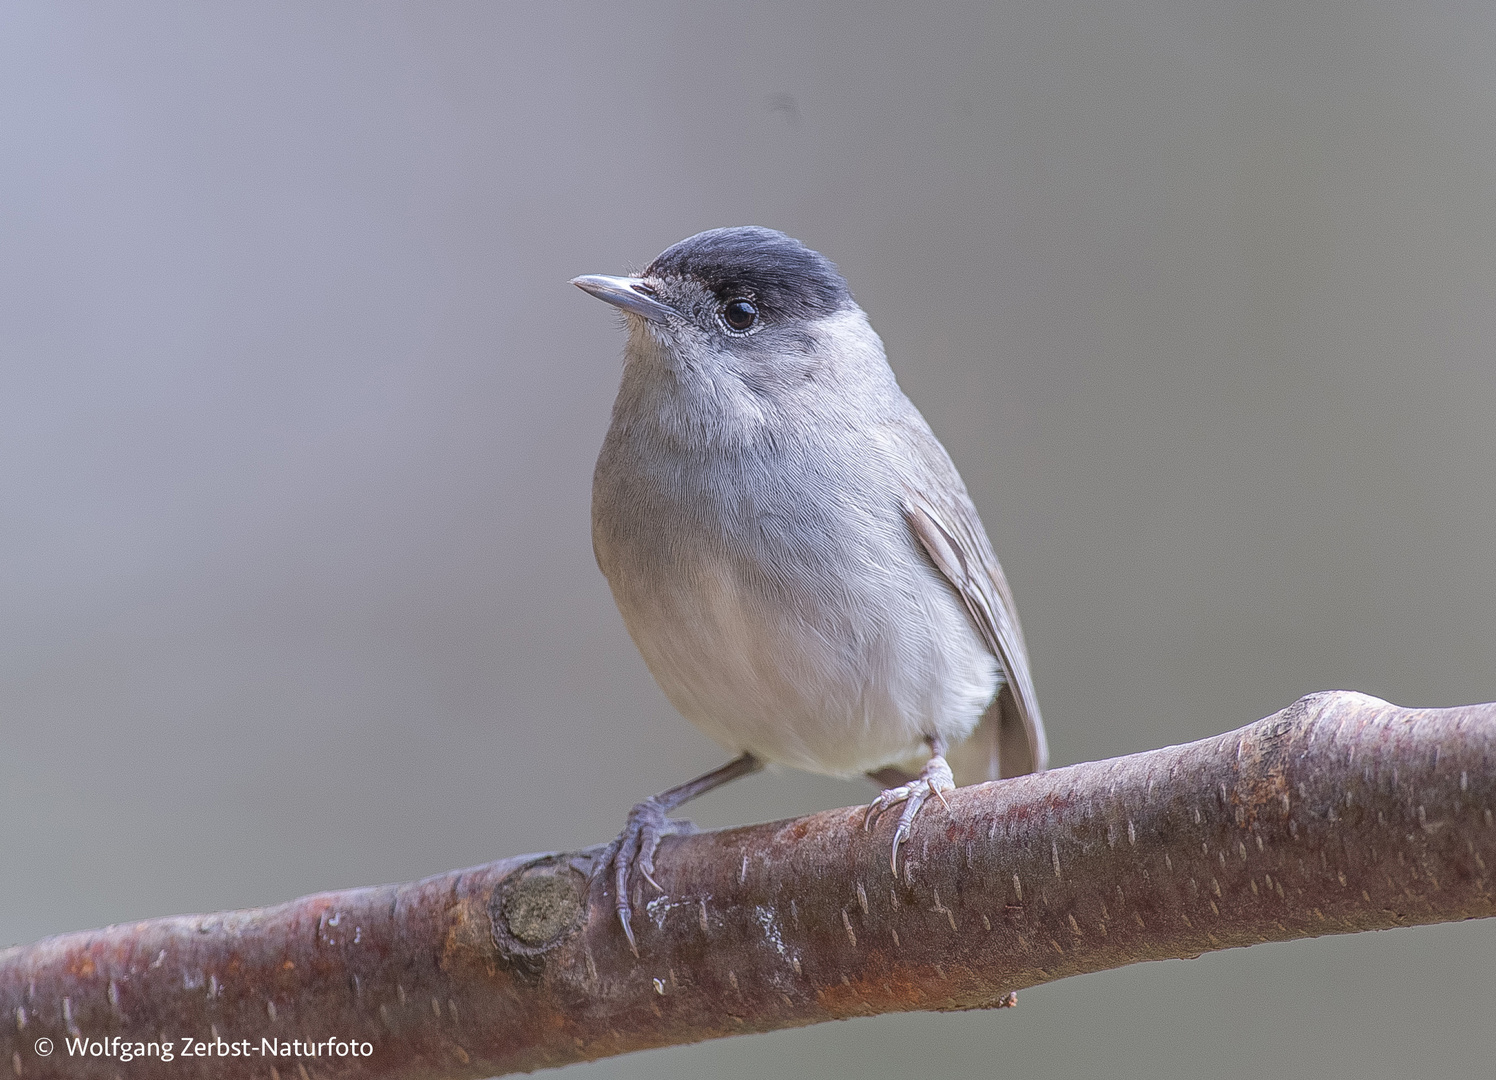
739, 314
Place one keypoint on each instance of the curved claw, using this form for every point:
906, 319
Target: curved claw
912, 806
652, 836
934, 779
634, 848
620, 856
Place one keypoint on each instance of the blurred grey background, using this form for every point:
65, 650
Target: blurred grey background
298, 416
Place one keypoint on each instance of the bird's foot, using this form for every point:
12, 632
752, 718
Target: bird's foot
934, 779
634, 849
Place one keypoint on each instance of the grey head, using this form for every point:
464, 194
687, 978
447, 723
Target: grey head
737, 281
740, 292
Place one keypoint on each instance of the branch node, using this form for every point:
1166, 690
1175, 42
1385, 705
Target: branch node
535, 909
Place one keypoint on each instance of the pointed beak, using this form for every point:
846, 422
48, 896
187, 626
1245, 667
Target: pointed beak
632, 294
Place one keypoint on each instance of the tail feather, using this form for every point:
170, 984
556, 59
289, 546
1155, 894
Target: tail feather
998, 748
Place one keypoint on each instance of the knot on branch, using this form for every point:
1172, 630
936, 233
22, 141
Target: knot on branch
535, 909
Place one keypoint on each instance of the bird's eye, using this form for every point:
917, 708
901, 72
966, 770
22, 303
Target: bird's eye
739, 314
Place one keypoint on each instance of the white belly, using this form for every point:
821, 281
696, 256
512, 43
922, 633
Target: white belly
836, 677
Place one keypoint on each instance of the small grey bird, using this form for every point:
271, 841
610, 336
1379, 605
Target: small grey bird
790, 546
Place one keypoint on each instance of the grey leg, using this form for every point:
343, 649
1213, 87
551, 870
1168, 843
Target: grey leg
934, 779
648, 823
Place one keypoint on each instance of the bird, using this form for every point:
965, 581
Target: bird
790, 546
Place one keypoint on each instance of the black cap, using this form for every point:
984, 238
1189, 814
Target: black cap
776, 271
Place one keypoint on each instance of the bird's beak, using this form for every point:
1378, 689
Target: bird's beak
630, 293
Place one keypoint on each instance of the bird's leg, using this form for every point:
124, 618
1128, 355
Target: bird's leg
648, 824
934, 779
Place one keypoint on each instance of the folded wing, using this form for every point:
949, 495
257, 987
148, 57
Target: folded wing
1009, 741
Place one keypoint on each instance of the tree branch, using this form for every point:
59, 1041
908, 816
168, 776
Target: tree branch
1340, 814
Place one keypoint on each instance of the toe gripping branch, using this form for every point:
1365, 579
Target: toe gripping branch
634, 849
648, 823
934, 779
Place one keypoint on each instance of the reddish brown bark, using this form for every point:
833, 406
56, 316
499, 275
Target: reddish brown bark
1340, 814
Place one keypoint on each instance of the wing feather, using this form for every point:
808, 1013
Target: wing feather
1009, 741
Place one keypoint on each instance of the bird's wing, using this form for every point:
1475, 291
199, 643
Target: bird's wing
1009, 741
